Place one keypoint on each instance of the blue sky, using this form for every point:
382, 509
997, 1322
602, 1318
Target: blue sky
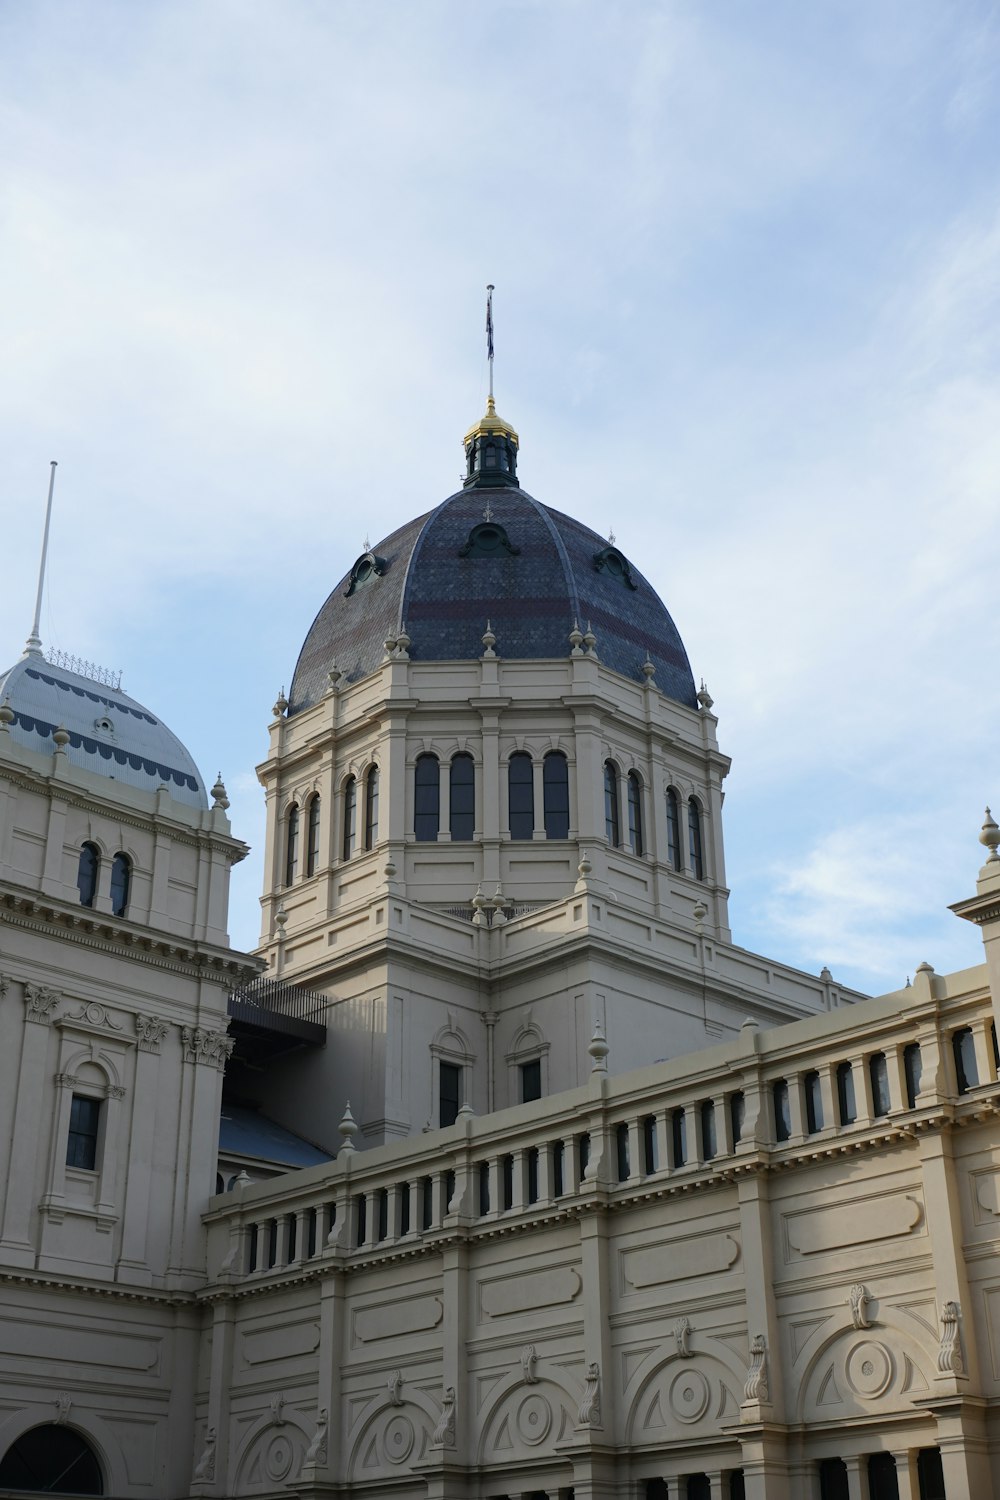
747, 259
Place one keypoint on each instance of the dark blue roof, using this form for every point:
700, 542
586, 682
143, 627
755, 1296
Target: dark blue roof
243, 1132
531, 595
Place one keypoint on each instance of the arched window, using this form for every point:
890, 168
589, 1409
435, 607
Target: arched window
51, 1460
87, 871
463, 798
878, 1072
312, 848
521, 795
555, 795
673, 829
611, 827
350, 816
427, 799
912, 1070
121, 883
292, 844
635, 812
845, 1094
371, 808
694, 840
966, 1068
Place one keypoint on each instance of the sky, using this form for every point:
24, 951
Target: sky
747, 260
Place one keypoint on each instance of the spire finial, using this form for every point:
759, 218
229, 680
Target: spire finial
489, 338
33, 645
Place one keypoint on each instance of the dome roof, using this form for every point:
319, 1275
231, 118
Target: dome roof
109, 733
494, 554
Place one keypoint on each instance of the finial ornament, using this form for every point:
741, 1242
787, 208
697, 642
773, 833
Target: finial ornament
60, 737
576, 639
6, 715
990, 837
348, 1129
599, 1050
489, 641
648, 670
219, 797
704, 696
590, 641
281, 703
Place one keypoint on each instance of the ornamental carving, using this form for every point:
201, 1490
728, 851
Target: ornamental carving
39, 1003
201, 1046
682, 1333
529, 1360
859, 1306
949, 1361
395, 1384
756, 1385
150, 1031
205, 1470
316, 1452
589, 1413
443, 1435
4, 985
95, 1014
63, 1404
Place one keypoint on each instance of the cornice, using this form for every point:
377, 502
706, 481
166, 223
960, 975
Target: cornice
150, 947
113, 1291
978, 909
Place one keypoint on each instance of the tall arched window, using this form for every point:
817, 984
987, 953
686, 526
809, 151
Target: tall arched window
463, 797
312, 846
555, 786
87, 872
292, 844
371, 808
121, 883
350, 816
521, 795
611, 826
51, 1460
673, 829
694, 840
635, 812
426, 799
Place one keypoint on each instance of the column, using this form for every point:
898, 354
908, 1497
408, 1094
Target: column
906, 1473
33, 1097
538, 796
135, 1214
444, 784
857, 1476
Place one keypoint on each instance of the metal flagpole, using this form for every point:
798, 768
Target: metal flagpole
33, 644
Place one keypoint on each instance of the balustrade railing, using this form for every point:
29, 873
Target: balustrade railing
660, 1131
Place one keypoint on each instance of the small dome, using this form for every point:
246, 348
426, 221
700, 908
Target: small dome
495, 554
109, 733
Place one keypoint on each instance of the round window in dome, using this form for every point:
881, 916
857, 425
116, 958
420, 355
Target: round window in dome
487, 540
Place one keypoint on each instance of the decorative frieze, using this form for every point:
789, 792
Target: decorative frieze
201, 1046
39, 1003
92, 1013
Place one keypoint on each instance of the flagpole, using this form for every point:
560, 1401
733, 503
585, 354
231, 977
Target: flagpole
33, 645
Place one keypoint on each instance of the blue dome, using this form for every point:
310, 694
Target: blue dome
109, 733
497, 555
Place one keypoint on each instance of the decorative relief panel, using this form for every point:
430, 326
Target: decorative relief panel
390, 1320
855, 1377
678, 1259
40, 1003
291, 1340
681, 1396
858, 1221
506, 1296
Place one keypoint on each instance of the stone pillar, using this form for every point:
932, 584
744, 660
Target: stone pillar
857, 1476
538, 794
132, 1266
33, 1090
444, 784
906, 1473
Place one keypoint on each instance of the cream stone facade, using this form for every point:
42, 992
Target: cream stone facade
600, 1203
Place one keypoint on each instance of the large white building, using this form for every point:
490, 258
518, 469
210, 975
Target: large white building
529, 1182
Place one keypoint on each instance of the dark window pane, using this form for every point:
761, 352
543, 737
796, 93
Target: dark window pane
673, 829
121, 883
312, 847
450, 1089
913, 1069
966, 1069
86, 875
833, 1482
930, 1475
371, 808
649, 1143
361, 1216
782, 1111
383, 1214
484, 1188
621, 1142
878, 1072
51, 1460
404, 1208
557, 1169
814, 1102
737, 1114
678, 1130
531, 1080
427, 1203
694, 840
463, 798
507, 1173
427, 799
521, 796
737, 1485
611, 827
583, 1155
656, 1489
555, 786
350, 817
709, 1145
698, 1487
292, 844
882, 1481
845, 1094
84, 1123
634, 812
533, 1174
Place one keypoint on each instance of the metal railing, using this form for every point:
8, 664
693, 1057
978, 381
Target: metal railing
104, 675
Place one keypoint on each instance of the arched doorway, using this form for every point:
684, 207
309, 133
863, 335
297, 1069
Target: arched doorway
51, 1460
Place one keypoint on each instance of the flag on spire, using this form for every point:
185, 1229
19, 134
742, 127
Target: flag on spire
489, 323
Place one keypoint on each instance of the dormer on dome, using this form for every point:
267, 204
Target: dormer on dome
491, 446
